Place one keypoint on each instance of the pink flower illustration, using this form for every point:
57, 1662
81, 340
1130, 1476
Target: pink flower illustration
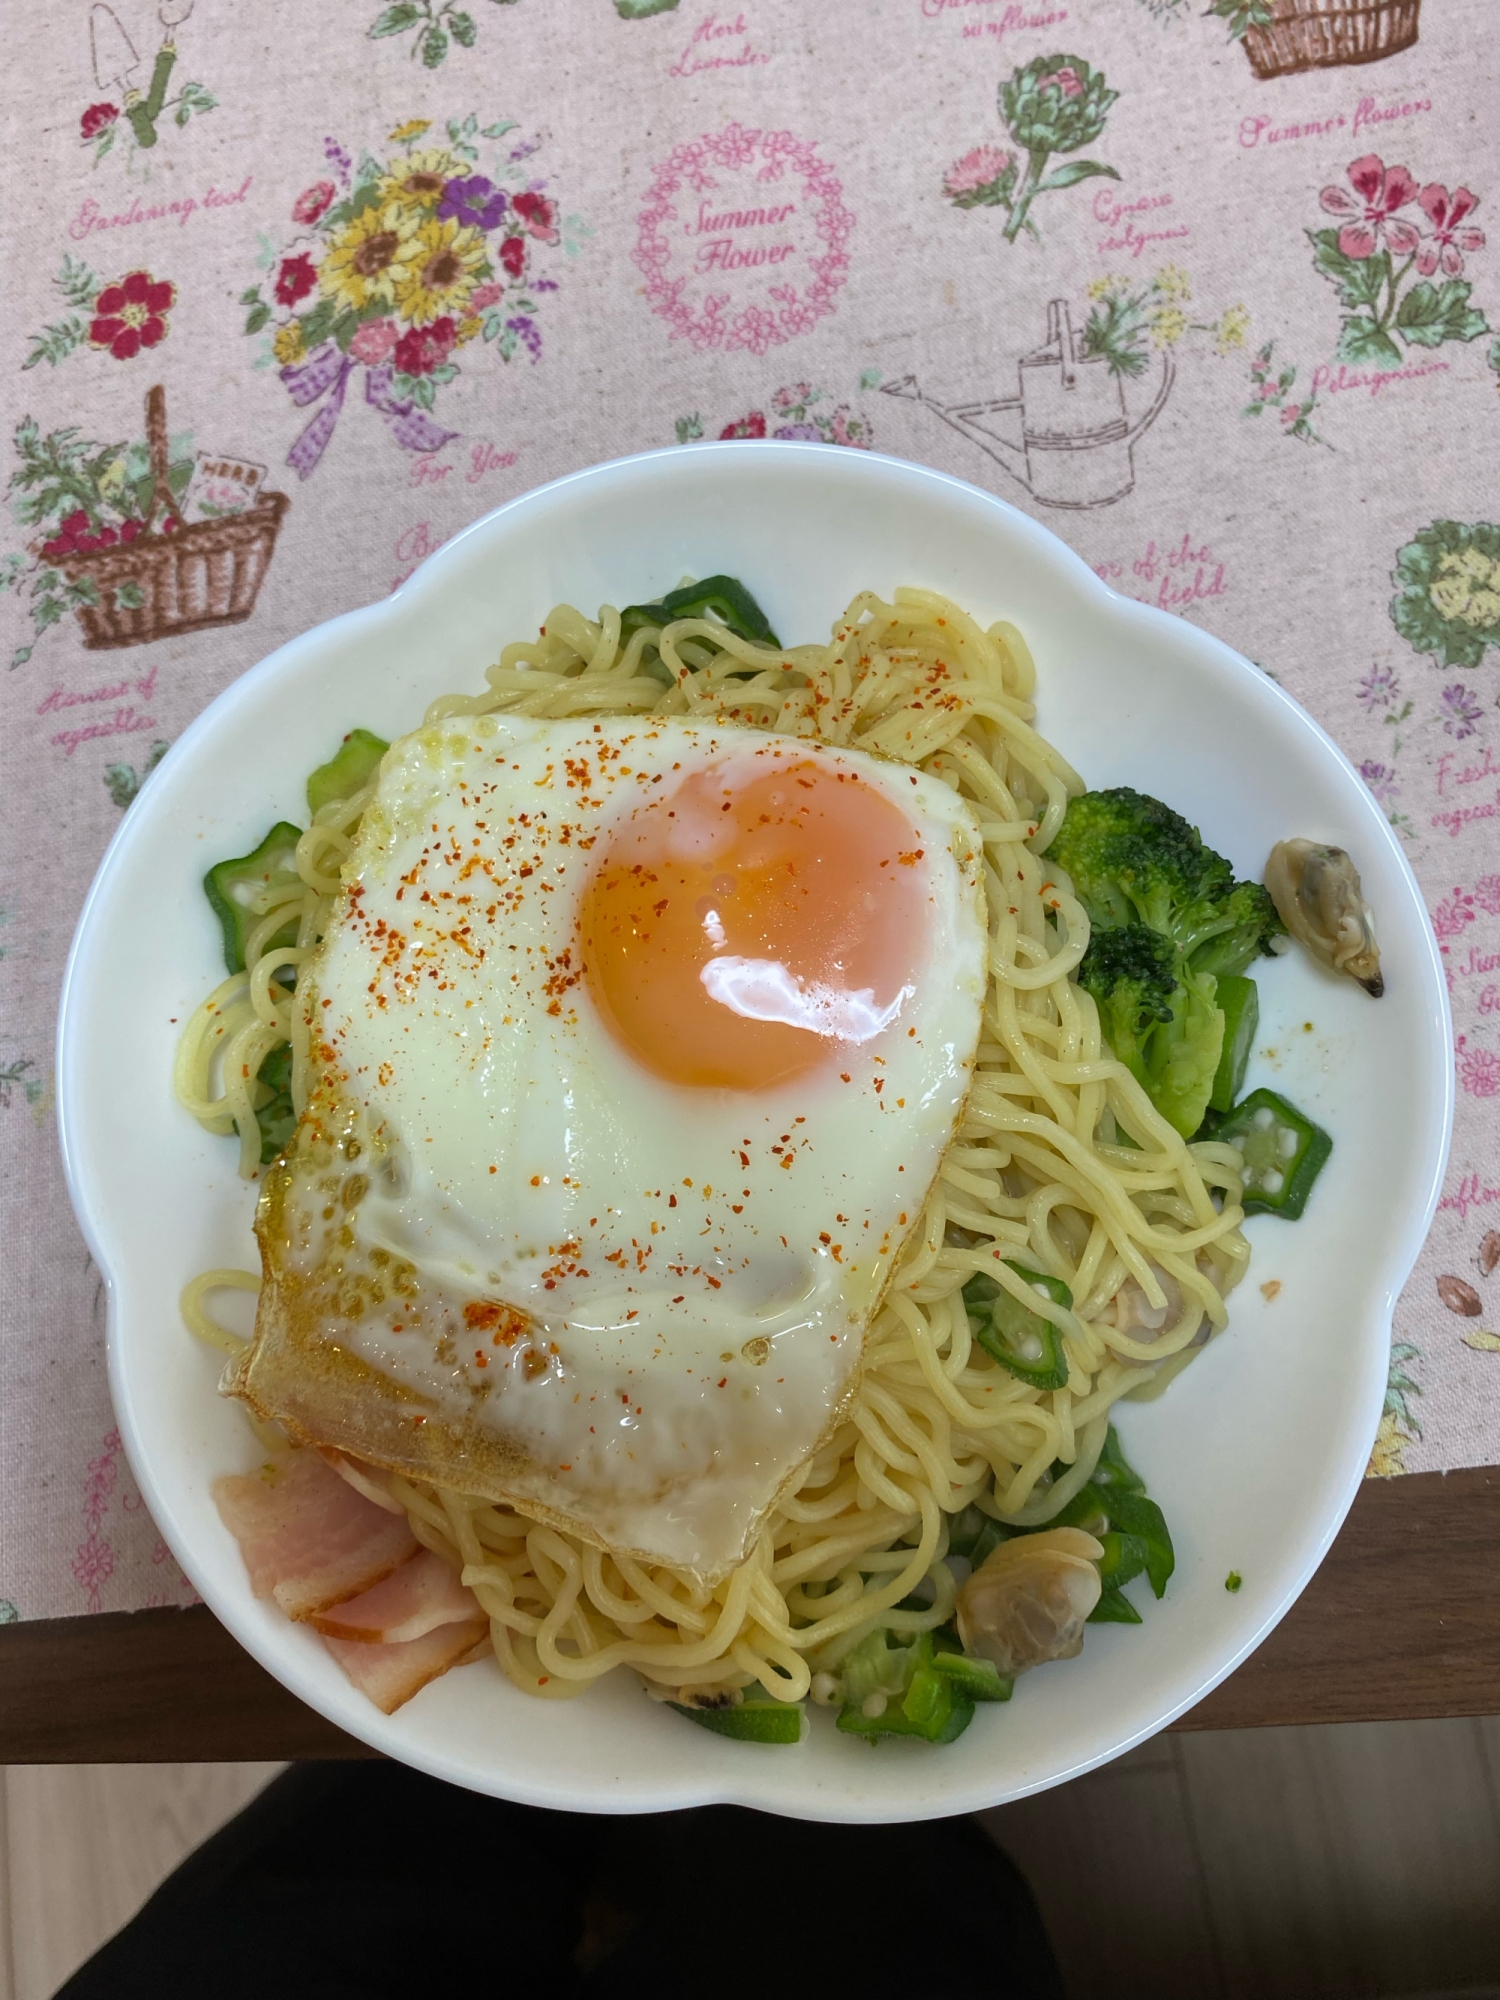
1453, 914
487, 295
93, 1565
976, 170
314, 202
1381, 190
373, 342
1487, 894
1478, 1070
1291, 413
538, 216
1066, 79
1451, 236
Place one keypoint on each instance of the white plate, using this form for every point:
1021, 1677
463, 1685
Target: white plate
1255, 1453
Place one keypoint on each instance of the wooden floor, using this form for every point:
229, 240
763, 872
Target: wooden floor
1337, 1863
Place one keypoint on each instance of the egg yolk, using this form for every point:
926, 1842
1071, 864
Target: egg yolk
742, 929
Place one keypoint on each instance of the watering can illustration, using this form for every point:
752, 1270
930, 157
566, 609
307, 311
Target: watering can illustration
1067, 436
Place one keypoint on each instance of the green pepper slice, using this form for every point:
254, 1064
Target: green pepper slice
1019, 1339
909, 1694
975, 1535
1141, 1519
751, 1721
1284, 1153
276, 1118
348, 770
1112, 1469
981, 1680
935, 1709
236, 888
722, 597
1240, 1002
1124, 1558
1114, 1608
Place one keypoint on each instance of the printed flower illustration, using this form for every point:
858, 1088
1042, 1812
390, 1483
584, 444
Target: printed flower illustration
314, 202
98, 118
374, 342
412, 257
1129, 317
1379, 191
1451, 235
1382, 781
421, 179
1448, 601
1478, 1069
1379, 688
983, 178
799, 411
473, 201
442, 278
132, 314
1055, 104
1271, 389
369, 255
538, 216
1384, 302
297, 277
422, 349
1461, 712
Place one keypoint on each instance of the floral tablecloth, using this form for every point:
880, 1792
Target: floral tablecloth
390, 265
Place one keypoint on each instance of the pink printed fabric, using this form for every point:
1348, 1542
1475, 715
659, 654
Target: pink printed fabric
390, 273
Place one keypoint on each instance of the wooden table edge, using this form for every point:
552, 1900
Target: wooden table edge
1396, 1625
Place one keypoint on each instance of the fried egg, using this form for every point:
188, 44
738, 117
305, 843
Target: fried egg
636, 1045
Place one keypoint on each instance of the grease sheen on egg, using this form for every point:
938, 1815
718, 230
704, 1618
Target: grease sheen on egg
638, 1044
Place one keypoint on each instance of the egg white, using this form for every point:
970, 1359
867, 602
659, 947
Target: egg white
686, 1274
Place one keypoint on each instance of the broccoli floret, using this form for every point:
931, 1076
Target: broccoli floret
1159, 1017
1132, 859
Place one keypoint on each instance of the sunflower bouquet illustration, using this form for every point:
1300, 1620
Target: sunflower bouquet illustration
400, 264
1056, 104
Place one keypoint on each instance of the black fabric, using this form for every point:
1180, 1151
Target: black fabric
357, 1881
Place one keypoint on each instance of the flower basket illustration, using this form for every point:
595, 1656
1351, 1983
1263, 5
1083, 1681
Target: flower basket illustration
176, 575
1327, 34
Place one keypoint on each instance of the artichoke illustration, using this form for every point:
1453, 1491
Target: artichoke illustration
1448, 600
1054, 104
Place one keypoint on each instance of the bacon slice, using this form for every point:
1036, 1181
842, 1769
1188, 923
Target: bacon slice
412, 1601
390, 1675
308, 1538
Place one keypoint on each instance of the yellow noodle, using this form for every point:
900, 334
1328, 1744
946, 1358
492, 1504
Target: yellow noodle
1035, 1170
